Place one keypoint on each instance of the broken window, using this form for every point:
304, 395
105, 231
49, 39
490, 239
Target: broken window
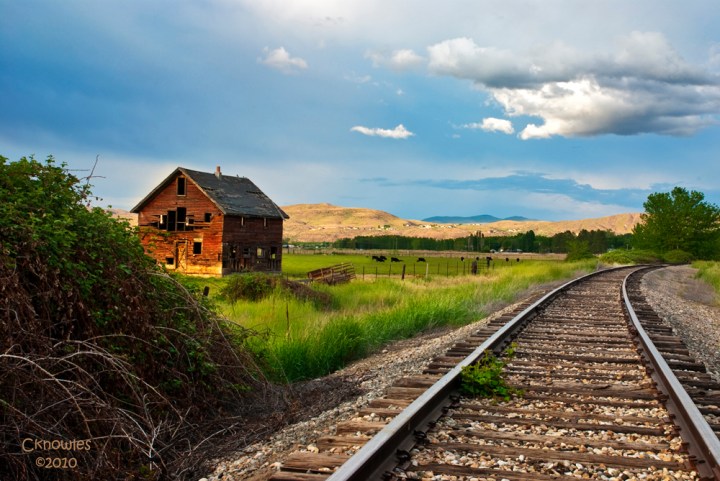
169, 261
273, 252
208, 216
181, 186
260, 252
162, 224
197, 247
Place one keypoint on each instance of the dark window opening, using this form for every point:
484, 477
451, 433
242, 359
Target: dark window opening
273, 252
181, 218
163, 221
181, 186
208, 216
169, 261
171, 221
246, 252
197, 247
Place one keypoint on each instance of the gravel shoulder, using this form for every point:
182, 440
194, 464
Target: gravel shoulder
689, 306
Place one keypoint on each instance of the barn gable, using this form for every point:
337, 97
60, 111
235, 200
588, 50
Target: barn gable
232, 195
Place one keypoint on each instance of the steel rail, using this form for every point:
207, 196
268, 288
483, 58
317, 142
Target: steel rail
702, 443
379, 455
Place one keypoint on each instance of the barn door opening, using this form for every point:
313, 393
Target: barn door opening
181, 255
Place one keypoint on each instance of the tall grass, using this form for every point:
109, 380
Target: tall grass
709, 272
303, 340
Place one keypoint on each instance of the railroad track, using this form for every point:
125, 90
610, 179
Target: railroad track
598, 402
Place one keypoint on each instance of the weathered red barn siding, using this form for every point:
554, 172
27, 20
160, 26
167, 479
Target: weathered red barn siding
163, 245
243, 236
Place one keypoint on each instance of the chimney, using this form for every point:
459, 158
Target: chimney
218, 174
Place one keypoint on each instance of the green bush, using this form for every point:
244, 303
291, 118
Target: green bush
677, 257
634, 256
98, 343
484, 378
248, 286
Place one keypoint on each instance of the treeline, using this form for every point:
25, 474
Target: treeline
597, 242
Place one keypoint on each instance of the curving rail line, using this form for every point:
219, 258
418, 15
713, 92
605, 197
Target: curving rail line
599, 402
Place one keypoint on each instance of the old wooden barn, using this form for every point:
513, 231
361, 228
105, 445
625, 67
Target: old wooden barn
211, 224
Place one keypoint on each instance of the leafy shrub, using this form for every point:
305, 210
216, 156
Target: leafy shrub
634, 256
484, 378
98, 343
248, 286
677, 257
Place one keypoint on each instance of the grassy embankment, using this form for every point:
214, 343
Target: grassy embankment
302, 339
709, 272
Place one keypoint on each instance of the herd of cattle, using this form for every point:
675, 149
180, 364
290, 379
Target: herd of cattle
381, 258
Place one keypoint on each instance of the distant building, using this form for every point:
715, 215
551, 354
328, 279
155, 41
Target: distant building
211, 224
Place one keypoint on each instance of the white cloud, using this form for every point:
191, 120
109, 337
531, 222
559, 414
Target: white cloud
644, 87
491, 124
399, 132
281, 60
400, 60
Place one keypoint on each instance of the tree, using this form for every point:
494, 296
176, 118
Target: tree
679, 220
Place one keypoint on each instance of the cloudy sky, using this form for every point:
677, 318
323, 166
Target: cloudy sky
553, 109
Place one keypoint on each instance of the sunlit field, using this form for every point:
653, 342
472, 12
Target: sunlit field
302, 339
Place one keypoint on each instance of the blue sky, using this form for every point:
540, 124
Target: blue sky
552, 110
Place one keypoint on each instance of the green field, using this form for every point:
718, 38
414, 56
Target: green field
303, 339
296, 266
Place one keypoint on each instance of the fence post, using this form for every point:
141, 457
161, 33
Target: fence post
403, 273
287, 319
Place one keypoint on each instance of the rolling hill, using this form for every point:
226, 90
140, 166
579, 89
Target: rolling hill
327, 222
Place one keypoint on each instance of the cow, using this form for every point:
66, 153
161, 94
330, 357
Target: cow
394, 259
379, 258
421, 259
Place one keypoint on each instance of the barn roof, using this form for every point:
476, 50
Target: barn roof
232, 195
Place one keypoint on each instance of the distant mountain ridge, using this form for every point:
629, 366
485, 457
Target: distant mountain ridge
475, 219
